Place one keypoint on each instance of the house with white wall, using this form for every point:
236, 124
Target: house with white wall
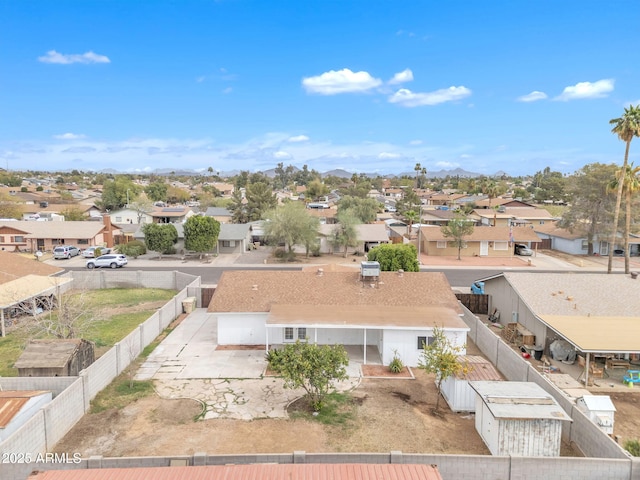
389, 311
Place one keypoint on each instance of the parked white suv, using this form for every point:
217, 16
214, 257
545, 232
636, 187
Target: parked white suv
66, 251
111, 261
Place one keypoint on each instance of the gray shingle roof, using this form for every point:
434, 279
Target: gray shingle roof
233, 231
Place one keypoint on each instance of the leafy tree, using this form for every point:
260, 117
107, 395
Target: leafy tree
591, 206
292, 225
549, 185
73, 214
410, 216
365, 209
141, 205
630, 187
116, 193
625, 127
394, 257
441, 359
311, 367
177, 195
160, 237
457, 229
10, 180
201, 233
9, 208
410, 201
345, 233
242, 180
283, 176
304, 176
157, 191
316, 189
260, 198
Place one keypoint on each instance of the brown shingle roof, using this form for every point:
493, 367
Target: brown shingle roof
258, 290
14, 266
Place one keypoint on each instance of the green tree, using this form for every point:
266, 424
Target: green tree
591, 206
242, 180
201, 233
10, 180
366, 209
440, 358
177, 195
116, 193
311, 367
142, 206
394, 257
160, 237
291, 224
410, 217
630, 187
316, 189
9, 208
238, 208
157, 191
626, 128
457, 229
345, 233
260, 198
73, 214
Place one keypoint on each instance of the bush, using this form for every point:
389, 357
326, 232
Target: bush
633, 447
396, 365
133, 249
272, 357
170, 251
284, 255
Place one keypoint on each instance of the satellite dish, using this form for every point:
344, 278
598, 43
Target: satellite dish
38, 254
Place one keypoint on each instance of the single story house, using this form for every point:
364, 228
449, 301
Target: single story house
17, 407
598, 314
45, 236
444, 199
234, 238
55, 357
436, 217
131, 216
577, 243
221, 214
487, 202
324, 215
369, 235
518, 418
389, 311
177, 214
483, 241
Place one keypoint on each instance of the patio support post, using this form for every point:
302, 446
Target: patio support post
315, 335
364, 355
2, 322
586, 370
266, 339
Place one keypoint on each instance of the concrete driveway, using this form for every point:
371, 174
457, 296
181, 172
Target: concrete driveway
228, 383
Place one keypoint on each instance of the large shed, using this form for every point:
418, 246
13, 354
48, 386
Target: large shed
518, 418
456, 390
55, 358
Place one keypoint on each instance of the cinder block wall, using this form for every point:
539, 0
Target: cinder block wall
63, 413
55, 385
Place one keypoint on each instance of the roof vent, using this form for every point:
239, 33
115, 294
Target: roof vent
400, 272
254, 287
320, 272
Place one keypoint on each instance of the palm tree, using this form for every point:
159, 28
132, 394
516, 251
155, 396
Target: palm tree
417, 169
410, 216
625, 127
630, 186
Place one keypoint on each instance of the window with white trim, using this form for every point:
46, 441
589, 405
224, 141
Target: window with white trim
585, 245
441, 244
424, 340
501, 245
288, 333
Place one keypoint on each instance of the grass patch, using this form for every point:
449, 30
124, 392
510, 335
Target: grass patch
128, 297
10, 349
111, 331
338, 409
121, 392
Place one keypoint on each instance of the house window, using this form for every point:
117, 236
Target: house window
441, 244
288, 334
1, 238
83, 241
228, 243
302, 333
424, 340
585, 244
541, 222
500, 245
291, 334
18, 239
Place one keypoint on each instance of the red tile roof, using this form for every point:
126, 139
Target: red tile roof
254, 472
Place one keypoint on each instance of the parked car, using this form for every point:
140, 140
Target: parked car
91, 251
111, 261
66, 251
521, 249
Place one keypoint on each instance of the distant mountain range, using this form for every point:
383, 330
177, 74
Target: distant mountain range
457, 172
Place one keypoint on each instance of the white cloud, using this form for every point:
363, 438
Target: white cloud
407, 98
582, 90
281, 155
89, 57
415, 142
69, 136
532, 97
401, 77
298, 139
447, 165
340, 81
227, 90
389, 155
201, 79
465, 155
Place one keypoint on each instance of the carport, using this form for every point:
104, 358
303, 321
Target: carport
596, 335
23, 294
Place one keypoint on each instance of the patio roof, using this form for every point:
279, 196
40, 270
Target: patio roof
27, 287
361, 316
615, 334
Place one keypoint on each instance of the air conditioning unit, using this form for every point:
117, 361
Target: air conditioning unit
369, 269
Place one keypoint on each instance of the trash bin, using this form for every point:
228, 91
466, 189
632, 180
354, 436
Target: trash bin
537, 353
188, 304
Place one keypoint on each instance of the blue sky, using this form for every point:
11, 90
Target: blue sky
368, 86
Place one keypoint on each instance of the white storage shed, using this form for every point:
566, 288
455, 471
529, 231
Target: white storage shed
518, 418
456, 390
600, 409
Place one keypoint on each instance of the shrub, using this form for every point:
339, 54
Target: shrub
133, 249
272, 357
97, 252
396, 365
633, 447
